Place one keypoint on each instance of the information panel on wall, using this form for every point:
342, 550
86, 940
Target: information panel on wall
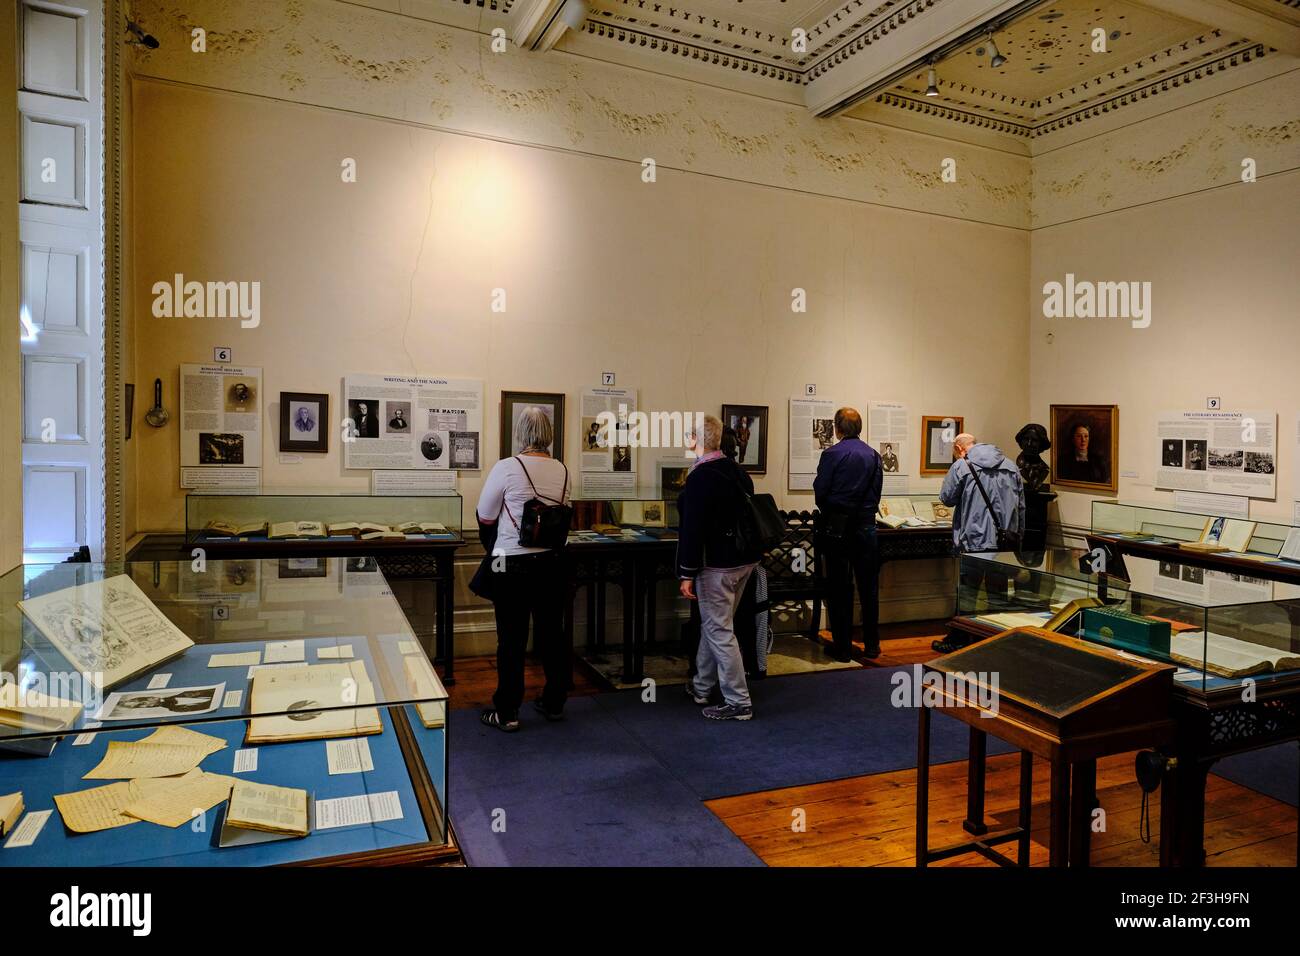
887, 431
220, 423
604, 439
1226, 453
412, 422
812, 431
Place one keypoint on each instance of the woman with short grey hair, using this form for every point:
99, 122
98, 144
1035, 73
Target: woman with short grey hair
525, 582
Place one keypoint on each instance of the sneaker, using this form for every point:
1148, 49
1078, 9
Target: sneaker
551, 715
493, 718
691, 693
729, 712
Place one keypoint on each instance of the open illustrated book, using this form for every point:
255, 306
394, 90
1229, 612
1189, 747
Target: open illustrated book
108, 630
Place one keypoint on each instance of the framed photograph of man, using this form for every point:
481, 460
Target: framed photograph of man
749, 422
304, 421
513, 404
937, 434
1085, 447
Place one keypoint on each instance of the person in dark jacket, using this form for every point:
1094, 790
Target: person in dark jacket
713, 571
847, 488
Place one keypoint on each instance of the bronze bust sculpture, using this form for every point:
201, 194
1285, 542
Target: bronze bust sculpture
1033, 441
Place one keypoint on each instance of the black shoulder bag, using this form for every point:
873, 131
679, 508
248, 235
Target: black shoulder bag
1007, 540
543, 524
759, 525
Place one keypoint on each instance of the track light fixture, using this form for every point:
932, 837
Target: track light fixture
574, 13
998, 58
932, 89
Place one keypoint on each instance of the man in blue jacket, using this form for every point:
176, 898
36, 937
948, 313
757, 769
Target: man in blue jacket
974, 526
847, 488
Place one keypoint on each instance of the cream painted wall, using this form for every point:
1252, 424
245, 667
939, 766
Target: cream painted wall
681, 286
1224, 323
11, 473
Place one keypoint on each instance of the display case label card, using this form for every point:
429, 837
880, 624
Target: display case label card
385, 482
281, 652
350, 811
408, 647
233, 698
246, 760
1227, 506
227, 478
340, 652
28, 830
349, 756
243, 659
159, 681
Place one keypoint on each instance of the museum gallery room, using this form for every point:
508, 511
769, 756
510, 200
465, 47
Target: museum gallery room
779, 433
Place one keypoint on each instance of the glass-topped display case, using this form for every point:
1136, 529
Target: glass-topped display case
913, 511
1220, 628
637, 514
1237, 538
138, 697
334, 516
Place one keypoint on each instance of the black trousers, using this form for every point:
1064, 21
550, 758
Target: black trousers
534, 588
853, 556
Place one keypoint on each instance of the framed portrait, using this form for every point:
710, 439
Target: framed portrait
513, 404
749, 422
1085, 447
937, 434
304, 421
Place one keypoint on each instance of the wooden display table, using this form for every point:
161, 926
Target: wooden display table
1058, 698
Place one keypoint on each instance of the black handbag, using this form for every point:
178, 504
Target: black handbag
484, 581
544, 523
759, 525
1007, 540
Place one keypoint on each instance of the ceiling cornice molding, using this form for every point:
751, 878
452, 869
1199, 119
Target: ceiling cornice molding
704, 54
972, 118
1165, 84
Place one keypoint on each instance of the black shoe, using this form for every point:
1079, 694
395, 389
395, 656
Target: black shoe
947, 646
493, 718
552, 715
835, 654
871, 653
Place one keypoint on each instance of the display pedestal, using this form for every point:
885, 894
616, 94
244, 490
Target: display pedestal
1036, 503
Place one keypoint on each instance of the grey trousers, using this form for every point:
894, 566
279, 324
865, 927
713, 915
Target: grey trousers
718, 660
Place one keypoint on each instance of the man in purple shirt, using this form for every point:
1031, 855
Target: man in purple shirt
847, 487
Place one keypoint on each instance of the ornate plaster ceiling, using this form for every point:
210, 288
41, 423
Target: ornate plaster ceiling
854, 55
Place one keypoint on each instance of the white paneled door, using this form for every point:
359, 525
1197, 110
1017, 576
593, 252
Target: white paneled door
61, 230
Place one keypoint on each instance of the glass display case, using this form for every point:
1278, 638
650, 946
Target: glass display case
1220, 628
635, 515
914, 511
233, 713
306, 515
1233, 537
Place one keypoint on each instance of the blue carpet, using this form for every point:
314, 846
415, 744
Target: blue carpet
808, 728
1272, 771
579, 793
621, 782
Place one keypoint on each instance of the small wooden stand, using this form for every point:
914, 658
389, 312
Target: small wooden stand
1055, 697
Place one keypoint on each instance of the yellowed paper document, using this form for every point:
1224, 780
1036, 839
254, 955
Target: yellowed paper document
180, 799
100, 808
129, 761
183, 736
